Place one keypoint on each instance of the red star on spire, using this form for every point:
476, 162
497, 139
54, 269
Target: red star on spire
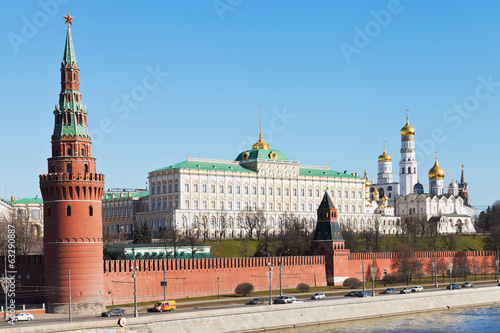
68, 19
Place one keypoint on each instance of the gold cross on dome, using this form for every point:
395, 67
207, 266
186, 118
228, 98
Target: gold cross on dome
68, 19
407, 110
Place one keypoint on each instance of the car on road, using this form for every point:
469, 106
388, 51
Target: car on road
318, 296
165, 306
22, 316
406, 290
297, 301
389, 291
417, 289
358, 294
352, 294
467, 285
452, 286
284, 299
113, 312
258, 300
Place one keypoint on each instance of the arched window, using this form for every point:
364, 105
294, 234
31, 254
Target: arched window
69, 151
83, 152
409, 169
68, 168
403, 170
68, 210
91, 211
48, 211
86, 168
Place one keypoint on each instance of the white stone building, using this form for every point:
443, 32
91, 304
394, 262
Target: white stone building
214, 198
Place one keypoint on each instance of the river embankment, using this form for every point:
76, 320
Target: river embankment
269, 317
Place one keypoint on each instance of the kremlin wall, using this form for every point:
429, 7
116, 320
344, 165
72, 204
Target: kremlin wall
187, 278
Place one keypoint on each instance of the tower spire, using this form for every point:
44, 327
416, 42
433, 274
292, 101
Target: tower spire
261, 144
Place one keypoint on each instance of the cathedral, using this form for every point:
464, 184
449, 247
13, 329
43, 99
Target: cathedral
451, 211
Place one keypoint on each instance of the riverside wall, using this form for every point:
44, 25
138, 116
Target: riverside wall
258, 318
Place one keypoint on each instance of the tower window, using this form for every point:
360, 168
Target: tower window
83, 152
48, 211
403, 170
86, 168
68, 210
69, 151
68, 168
91, 211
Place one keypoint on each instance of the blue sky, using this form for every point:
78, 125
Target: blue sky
333, 79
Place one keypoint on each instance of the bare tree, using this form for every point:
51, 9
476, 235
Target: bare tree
260, 223
193, 242
171, 237
221, 224
248, 222
203, 227
475, 267
26, 242
442, 267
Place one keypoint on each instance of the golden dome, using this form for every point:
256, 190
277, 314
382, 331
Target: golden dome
375, 192
407, 130
384, 157
436, 172
385, 198
261, 144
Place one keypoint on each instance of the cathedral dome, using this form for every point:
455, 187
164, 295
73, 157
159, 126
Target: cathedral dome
436, 172
407, 130
453, 185
384, 157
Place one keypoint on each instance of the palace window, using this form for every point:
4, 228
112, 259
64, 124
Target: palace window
270, 206
195, 187
230, 189
221, 188
204, 188
270, 190
238, 189
262, 190
212, 188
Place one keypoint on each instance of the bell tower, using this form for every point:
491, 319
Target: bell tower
72, 192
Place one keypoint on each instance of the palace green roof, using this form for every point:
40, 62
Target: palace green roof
324, 173
263, 154
205, 165
109, 196
35, 200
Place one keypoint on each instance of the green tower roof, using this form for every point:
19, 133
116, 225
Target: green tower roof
69, 51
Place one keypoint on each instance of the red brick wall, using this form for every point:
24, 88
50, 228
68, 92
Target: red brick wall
386, 260
198, 277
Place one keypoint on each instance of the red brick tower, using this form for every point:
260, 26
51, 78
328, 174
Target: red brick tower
328, 241
72, 193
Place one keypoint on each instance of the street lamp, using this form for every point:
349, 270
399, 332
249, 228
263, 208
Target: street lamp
451, 280
363, 273
135, 269
497, 262
218, 289
434, 264
270, 275
374, 271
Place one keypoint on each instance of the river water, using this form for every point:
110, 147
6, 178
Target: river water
478, 319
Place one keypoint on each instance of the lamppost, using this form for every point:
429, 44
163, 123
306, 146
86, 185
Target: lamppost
497, 262
281, 289
451, 280
218, 289
363, 273
434, 264
270, 275
374, 271
135, 269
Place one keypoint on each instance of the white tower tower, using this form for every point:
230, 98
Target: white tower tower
384, 168
408, 175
